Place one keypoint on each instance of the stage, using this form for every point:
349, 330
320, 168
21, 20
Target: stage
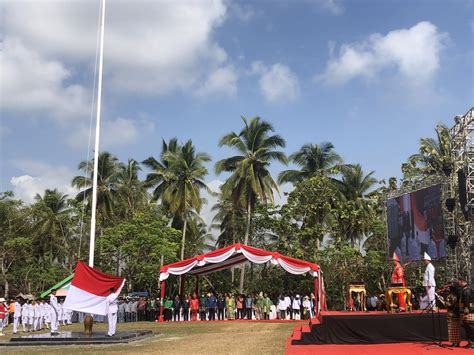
77, 338
372, 328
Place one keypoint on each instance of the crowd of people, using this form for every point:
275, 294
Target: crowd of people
32, 315
211, 306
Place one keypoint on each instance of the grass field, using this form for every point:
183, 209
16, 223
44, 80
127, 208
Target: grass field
180, 338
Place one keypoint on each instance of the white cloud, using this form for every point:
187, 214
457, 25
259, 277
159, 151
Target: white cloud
150, 47
333, 6
39, 176
244, 12
277, 83
113, 133
412, 53
223, 81
33, 84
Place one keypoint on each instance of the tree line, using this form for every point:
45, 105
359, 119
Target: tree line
334, 215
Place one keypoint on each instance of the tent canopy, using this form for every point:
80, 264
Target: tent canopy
232, 255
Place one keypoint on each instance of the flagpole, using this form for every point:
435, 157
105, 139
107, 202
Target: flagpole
97, 137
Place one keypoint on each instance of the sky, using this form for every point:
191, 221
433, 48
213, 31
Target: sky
372, 77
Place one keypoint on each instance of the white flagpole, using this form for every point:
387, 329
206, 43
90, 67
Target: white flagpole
97, 136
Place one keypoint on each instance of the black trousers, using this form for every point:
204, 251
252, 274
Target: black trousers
220, 313
283, 314
240, 313
212, 314
141, 315
185, 314
248, 312
168, 314
202, 315
152, 315
469, 328
176, 315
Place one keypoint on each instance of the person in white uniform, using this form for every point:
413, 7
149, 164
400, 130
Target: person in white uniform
35, 315
54, 310
47, 314
112, 309
41, 314
16, 315
24, 316
429, 281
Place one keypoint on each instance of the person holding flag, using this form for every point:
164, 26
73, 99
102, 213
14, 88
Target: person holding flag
94, 292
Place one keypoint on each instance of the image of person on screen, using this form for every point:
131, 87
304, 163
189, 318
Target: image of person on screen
414, 252
403, 248
432, 251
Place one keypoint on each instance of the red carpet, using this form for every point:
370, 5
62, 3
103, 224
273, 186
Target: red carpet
372, 349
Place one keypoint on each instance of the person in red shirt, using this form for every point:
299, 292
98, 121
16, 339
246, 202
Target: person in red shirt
3, 314
194, 305
398, 277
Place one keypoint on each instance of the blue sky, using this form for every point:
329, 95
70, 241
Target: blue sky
372, 77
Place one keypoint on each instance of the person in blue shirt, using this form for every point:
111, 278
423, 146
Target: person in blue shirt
249, 306
212, 305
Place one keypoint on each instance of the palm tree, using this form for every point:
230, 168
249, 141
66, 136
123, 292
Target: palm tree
130, 188
107, 183
312, 159
199, 239
161, 176
354, 186
228, 218
435, 155
185, 175
250, 177
52, 212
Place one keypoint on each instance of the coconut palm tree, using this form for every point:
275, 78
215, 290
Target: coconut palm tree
161, 176
51, 214
199, 239
185, 175
107, 183
130, 189
250, 177
435, 155
312, 159
355, 209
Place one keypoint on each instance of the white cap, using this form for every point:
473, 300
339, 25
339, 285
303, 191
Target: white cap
426, 257
297, 296
2, 299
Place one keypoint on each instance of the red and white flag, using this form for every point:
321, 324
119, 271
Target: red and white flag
89, 290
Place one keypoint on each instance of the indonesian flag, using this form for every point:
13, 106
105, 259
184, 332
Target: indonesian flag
89, 290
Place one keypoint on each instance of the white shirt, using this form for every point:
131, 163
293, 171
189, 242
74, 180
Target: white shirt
428, 278
25, 310
112, 303
281, 305
53, 302
17, 309
287, 301
31, 311
307, 304
296, 303
424, 302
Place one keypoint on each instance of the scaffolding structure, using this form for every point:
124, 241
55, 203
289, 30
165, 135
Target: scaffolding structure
459, 222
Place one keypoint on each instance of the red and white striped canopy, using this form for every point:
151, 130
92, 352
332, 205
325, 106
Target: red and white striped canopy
235, 254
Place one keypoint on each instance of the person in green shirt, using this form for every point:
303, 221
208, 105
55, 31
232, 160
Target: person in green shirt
168, 305
152, 310
202, 307
230, 307
266, 303
259, 307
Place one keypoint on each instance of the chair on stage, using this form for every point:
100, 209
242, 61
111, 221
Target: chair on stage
356, 292
397, 289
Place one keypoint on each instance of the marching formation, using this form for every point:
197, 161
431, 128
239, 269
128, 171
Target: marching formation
34, 315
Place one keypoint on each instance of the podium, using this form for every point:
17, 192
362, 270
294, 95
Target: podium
390, 291
359, 290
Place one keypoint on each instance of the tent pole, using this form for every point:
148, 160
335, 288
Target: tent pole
196, 290
163, 284
316, 294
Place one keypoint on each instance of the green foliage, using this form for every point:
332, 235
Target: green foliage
134, 248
